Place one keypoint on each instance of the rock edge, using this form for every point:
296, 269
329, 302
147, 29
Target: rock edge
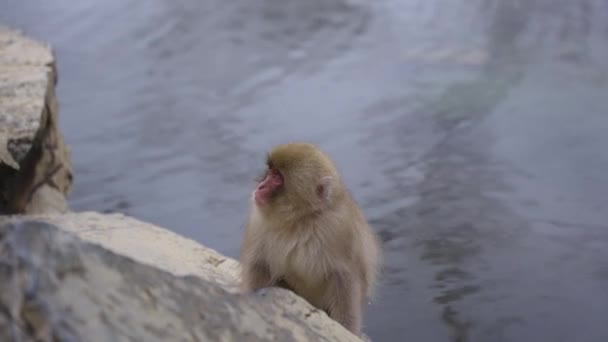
35, 165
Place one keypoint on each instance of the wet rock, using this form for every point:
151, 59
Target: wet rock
35, 166
56, 286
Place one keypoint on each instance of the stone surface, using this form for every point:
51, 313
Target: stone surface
56, 286
149, 244
35, 166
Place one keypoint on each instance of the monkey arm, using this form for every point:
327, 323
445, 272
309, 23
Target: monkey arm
343, 298
256, 275
282, 283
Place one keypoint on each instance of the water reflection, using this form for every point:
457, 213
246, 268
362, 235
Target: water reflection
472, 133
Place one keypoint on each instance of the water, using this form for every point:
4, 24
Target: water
471, 132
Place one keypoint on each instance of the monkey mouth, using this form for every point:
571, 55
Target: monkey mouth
259, 199
268, 187
262, 197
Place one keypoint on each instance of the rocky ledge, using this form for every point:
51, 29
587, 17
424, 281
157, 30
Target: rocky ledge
94, 277
35, 167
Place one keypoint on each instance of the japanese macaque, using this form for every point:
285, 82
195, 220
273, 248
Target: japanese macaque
306, 233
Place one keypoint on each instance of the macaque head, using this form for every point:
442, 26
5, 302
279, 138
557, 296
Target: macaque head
298, 176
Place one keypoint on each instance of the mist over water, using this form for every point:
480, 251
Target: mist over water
472, 133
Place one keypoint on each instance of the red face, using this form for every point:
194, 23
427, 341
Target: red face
272, 182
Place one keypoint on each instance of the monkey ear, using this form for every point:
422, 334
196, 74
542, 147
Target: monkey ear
325, 187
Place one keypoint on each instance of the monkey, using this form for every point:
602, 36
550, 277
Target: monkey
306, 233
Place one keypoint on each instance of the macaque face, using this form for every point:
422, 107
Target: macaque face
269, 186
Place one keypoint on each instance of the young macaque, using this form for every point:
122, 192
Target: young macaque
306, 233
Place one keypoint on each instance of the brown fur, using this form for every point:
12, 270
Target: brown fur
312, 238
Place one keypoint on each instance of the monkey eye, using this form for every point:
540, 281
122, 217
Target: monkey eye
275, 173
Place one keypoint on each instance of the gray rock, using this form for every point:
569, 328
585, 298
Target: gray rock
35, 166
56, 287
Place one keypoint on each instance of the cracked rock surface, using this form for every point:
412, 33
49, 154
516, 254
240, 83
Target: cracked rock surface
35, 166
56, 286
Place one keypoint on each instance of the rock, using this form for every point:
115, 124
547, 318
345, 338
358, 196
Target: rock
149, 244
35, 166
56, 286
